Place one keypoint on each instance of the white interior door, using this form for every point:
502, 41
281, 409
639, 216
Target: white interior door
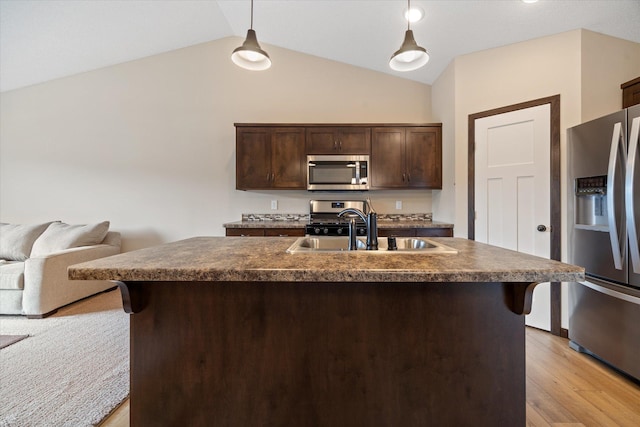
512, 190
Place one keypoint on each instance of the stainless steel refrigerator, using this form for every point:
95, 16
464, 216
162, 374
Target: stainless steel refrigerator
604, 224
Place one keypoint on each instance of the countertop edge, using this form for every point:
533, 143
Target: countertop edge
236, 259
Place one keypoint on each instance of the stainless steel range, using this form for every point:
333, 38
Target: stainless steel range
324, 220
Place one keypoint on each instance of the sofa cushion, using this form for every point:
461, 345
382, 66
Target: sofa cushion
60, 236
17, 240
12, 275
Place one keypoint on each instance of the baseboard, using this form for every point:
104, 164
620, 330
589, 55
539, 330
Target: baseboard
564, 333
41, 316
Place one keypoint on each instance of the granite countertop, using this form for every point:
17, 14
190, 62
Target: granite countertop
231, 259
382, 223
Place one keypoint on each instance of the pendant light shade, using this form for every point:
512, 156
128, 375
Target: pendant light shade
410, 56
250, 55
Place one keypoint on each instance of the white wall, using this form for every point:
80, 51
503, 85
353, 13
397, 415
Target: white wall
606, 63
584, 68
509, 75
443, 95
150, 144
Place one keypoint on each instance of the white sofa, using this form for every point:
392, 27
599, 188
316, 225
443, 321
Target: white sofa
34, 261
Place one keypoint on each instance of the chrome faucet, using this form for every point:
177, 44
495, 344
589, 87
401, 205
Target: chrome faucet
371, 221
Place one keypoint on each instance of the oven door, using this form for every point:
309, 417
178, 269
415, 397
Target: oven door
337, 172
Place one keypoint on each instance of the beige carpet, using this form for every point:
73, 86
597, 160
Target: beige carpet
73, 370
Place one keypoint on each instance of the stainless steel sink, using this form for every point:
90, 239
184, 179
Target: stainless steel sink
405, 245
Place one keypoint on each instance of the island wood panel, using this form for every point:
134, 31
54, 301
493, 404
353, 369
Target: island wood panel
325, 354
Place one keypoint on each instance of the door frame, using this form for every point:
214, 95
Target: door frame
554, 193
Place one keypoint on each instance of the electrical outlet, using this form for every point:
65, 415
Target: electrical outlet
398, 204
274, 205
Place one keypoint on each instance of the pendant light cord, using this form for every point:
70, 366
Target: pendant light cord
251, 14
408, 14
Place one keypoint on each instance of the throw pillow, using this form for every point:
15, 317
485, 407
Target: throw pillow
17, 240
60, 236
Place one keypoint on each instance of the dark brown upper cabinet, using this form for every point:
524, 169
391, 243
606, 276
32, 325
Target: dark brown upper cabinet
406, 157
273, 156
630, 93
338, 140
270, 158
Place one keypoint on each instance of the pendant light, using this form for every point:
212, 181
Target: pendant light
250, 55
410, 56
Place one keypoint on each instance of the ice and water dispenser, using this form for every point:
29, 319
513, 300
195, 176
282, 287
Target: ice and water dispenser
591, 201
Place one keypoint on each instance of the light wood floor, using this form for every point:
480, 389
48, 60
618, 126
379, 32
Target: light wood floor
564, 389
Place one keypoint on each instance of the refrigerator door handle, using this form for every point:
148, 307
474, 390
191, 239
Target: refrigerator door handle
611, 212
632, 162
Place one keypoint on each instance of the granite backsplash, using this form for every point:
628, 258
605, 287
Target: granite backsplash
256, 217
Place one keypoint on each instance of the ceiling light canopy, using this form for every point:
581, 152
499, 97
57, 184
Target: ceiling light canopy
410, 56
250, 55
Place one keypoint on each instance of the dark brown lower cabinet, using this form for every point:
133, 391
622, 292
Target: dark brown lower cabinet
415, 232
262, 232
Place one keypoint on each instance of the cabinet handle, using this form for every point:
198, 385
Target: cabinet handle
268, 176
273, 177
404, 177
408, 177
335, 145
340, 145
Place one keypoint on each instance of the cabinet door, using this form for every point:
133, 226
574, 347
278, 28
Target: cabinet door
339, 140
434, 232
253, 158
396, 232
245, 232
631, 95
354, 140
283, 232
423, 157
288, 158
387, 158
322, 141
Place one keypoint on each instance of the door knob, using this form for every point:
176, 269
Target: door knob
542, 227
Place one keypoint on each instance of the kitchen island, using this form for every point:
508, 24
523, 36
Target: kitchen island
236, 332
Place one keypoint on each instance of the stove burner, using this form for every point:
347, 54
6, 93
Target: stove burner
333, 229
324, 220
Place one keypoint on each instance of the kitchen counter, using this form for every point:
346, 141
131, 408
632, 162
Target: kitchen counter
236, 259
235, 331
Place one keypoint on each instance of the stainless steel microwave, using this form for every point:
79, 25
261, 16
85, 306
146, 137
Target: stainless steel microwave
338, 172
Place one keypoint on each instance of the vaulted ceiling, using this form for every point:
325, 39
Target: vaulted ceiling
43, 40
